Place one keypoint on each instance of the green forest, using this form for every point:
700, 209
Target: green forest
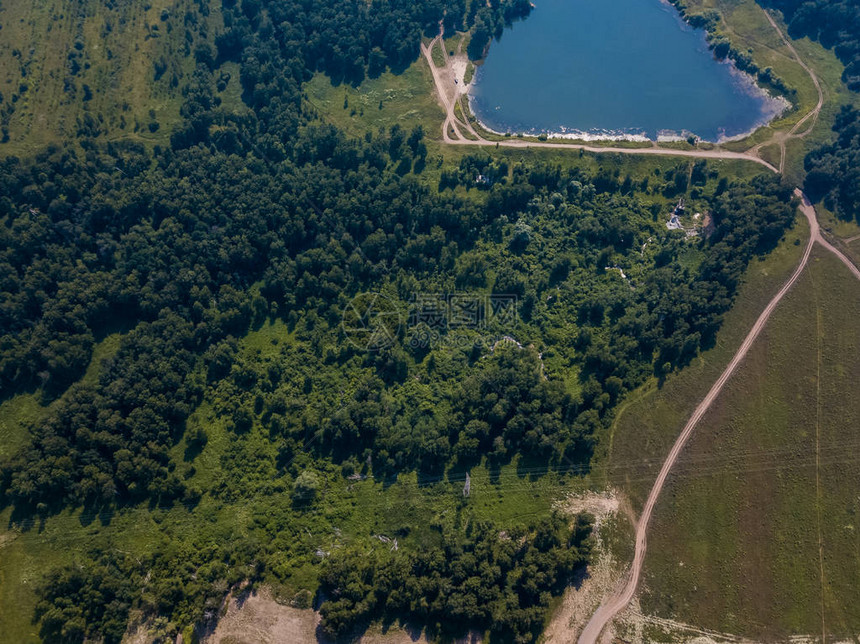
271, 218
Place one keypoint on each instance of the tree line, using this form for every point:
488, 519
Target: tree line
275, 215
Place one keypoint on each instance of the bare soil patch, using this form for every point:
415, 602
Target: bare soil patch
603, 575
260, 619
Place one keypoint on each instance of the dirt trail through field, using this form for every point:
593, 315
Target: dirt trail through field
620, 600
449, 95
813, 113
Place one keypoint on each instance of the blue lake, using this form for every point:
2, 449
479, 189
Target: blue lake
613, 67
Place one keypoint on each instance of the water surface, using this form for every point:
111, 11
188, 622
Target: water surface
613, 67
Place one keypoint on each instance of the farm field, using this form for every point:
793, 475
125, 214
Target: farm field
755, 533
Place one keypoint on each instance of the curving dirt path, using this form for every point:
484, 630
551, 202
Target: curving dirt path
620, 600
448, 94
813, 113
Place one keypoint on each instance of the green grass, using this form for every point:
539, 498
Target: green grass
734, 541
26, 556
438, 54
407, 99
648, 422
470, 72
638, 166
347, 512
840, 228
115, 50
703, 520
16, 414
455, 43
745, 24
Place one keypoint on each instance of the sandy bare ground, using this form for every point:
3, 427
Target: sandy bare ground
259, 619
451, 93
458, 68
448, 94
604, 571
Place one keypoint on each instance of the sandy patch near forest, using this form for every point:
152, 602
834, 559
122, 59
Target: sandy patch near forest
602, 576
259, 619
459, 63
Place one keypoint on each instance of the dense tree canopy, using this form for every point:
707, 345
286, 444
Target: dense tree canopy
486, 579
833, 171
273, 214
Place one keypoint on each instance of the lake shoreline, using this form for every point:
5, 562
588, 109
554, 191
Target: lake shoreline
773, 107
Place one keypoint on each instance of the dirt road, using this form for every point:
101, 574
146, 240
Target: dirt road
619, 601
813, 113
448, 94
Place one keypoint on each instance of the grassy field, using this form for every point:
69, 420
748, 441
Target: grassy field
73, 68
407, 99
734, 545
439, 54
26, 557
648, 422
20, 411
